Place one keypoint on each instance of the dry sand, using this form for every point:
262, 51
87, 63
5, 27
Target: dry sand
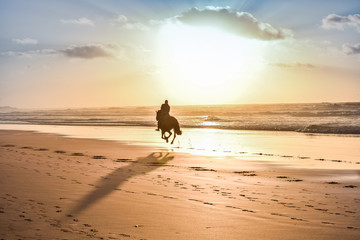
52, 187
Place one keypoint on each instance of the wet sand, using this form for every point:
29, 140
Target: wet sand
53, 187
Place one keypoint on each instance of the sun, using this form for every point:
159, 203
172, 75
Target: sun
207, 62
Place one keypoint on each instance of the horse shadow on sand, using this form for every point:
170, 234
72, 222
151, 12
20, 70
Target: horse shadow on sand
117, 177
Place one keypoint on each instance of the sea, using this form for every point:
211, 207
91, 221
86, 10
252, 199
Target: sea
333, 118
307, 135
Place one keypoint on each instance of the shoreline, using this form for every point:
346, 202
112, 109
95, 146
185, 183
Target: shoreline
290, 149
61, 187
304, 130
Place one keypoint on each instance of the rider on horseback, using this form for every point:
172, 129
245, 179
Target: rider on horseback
164, 112
167, 123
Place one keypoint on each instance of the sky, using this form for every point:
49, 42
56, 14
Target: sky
88, 53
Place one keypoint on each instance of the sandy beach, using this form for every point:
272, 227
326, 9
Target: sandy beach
54, 187
180, 120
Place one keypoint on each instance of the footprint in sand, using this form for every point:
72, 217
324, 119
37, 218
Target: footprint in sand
77, 154
294, 180
60, 151
59, 210
8, 145
282, 177
202, 169
123, 160
61, 177
124, 235
336, 160
26, 147
332, 182
246, 173
41, 149
298, 219
76, 181
321, 209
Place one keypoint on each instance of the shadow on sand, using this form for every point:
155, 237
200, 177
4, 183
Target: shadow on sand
117, 177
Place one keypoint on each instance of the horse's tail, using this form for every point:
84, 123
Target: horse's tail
177, 127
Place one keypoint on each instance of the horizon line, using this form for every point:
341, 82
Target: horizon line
176, 105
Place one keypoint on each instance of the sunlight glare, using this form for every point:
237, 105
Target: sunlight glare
208, 59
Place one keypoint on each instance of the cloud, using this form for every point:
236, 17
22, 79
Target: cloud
318, 68
296, 65
89, 51
79, 21
240, 23
340, 22
126, 52
29, 54
85, 51
351, 49
25, 41
121, 19
124, 22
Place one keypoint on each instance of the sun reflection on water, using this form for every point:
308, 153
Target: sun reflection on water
207, 123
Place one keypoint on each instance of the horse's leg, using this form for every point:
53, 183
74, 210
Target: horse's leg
174, 137
170, 133
167, 138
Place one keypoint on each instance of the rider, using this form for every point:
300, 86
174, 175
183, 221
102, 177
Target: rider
164, 111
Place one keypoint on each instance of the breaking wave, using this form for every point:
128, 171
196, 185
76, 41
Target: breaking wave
331, 118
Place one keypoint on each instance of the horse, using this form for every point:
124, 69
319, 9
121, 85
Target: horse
166, 124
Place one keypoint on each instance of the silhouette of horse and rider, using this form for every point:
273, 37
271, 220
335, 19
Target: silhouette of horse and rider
166, 122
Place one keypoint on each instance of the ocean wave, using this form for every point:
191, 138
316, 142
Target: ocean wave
331, 129
338, 118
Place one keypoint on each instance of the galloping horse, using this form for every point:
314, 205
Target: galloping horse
166, 124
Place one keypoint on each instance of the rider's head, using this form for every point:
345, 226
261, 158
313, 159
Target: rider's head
166, 101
